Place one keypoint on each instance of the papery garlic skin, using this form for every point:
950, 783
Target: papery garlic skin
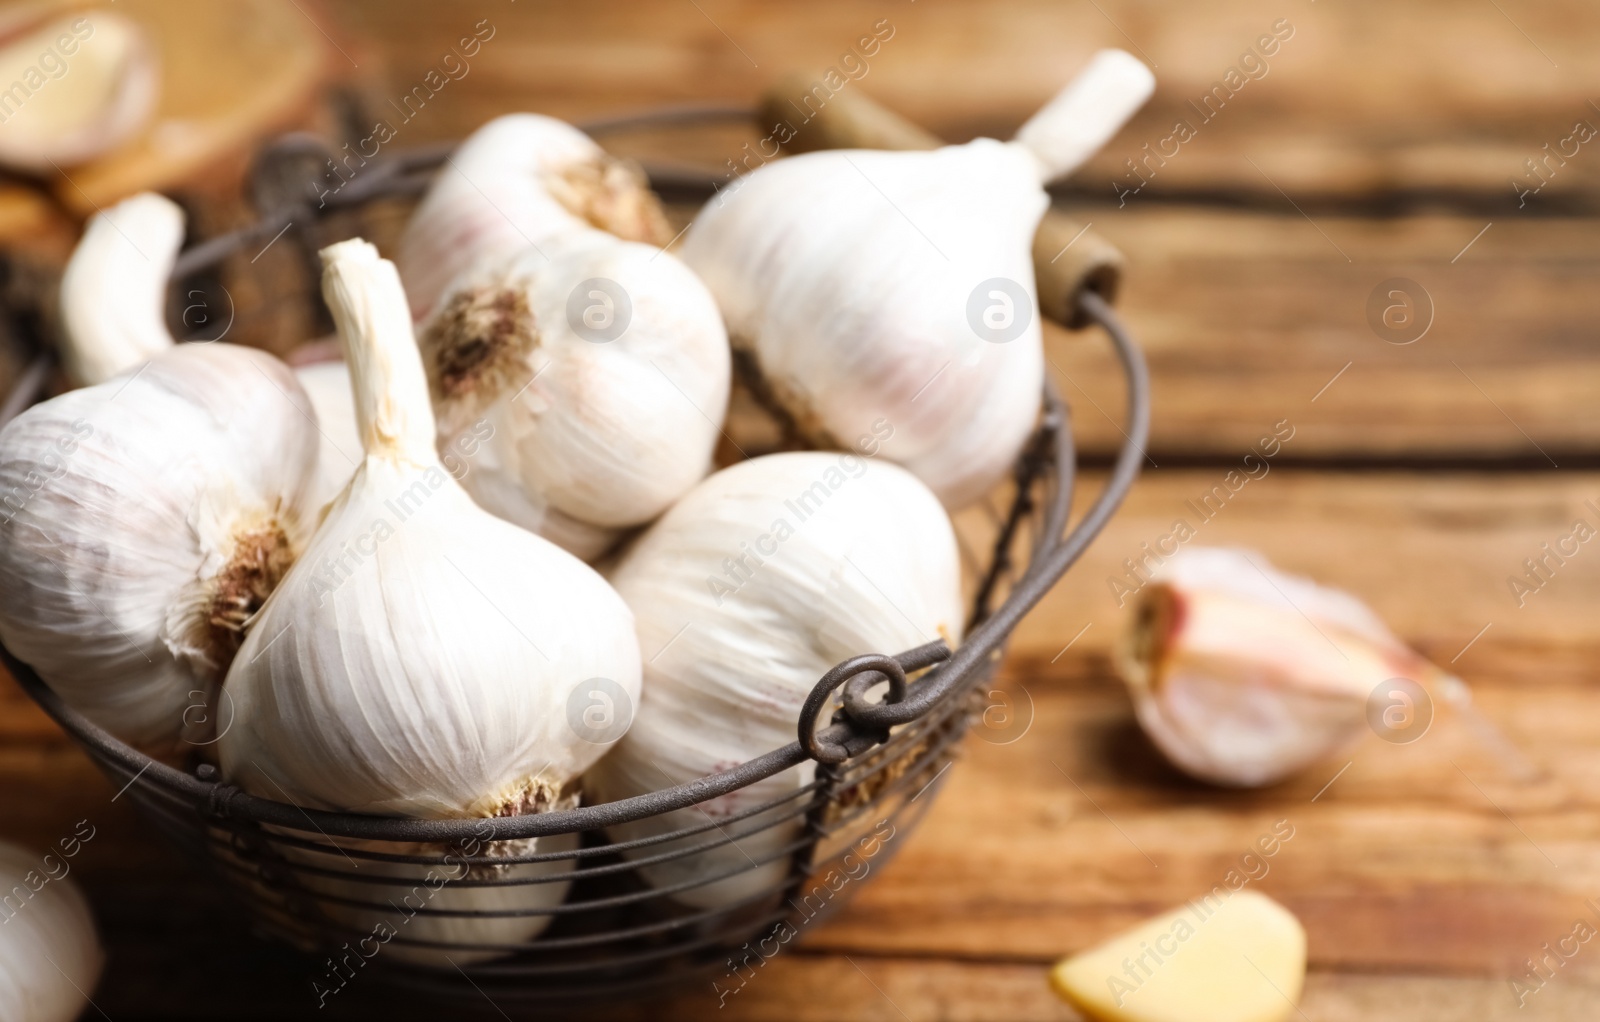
105, 92
1243, 675
113, 291
327, 386
517, 181
50, 955
420, 659
588, 433
860, 282
143, 521
751, 588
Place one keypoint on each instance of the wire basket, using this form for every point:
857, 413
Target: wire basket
556, 910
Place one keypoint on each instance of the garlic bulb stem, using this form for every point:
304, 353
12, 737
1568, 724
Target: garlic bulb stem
393, 414
113, 293
1084, 116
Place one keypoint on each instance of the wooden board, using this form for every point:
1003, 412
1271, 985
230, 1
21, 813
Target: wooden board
1405, 870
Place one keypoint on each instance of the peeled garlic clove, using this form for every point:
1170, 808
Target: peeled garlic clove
113, 318
1234, 955
143, 522
517, 181
113, 292
587, 381
751, 588
420, 659
898, 286
1244, 675
75, 87
50, 956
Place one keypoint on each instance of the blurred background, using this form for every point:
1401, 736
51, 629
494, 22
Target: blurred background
1378, 233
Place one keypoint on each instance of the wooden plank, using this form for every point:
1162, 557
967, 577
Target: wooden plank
1448, 857
1484, 89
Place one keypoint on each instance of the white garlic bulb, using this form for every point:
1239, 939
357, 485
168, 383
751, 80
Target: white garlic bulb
420, 659
77, 86
1243, 675
518, 180
143, 522
899, 285
113, 318
751, 588
50, 956
601, 369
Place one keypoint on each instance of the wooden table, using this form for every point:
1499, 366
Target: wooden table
1382, 143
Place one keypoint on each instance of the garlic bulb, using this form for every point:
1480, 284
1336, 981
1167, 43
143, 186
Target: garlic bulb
1243, 674
601, 370
78, 86
745, 593
516, 181
113, 318
899, 285
50, 957
421, 657
143, 522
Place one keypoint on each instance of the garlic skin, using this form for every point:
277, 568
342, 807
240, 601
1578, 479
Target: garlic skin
1244, 675
143, 521
589, 435
420, 659
751, 588
113, 291
50, 955
859, 280
514, 183
113, 318
80, 102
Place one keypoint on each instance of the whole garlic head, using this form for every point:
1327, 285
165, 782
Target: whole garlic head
751, 588
598, 414
50, 956
899, 285
1244, 675
419, 658
143, 522
113, 318
518, 180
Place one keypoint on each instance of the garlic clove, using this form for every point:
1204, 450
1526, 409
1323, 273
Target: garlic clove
50, 955
79, 86
1233, 955
143, 521
1244, 675
579, 420
753, 586
113, 291
516, 182
897, 287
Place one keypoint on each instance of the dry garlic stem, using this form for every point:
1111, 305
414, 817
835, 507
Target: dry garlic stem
1244, 675
898, 286
113, 318
516, 182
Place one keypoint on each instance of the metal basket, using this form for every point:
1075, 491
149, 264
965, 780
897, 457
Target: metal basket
323, 880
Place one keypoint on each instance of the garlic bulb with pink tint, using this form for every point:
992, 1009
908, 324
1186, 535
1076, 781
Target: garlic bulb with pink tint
1243, 674
899, 285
